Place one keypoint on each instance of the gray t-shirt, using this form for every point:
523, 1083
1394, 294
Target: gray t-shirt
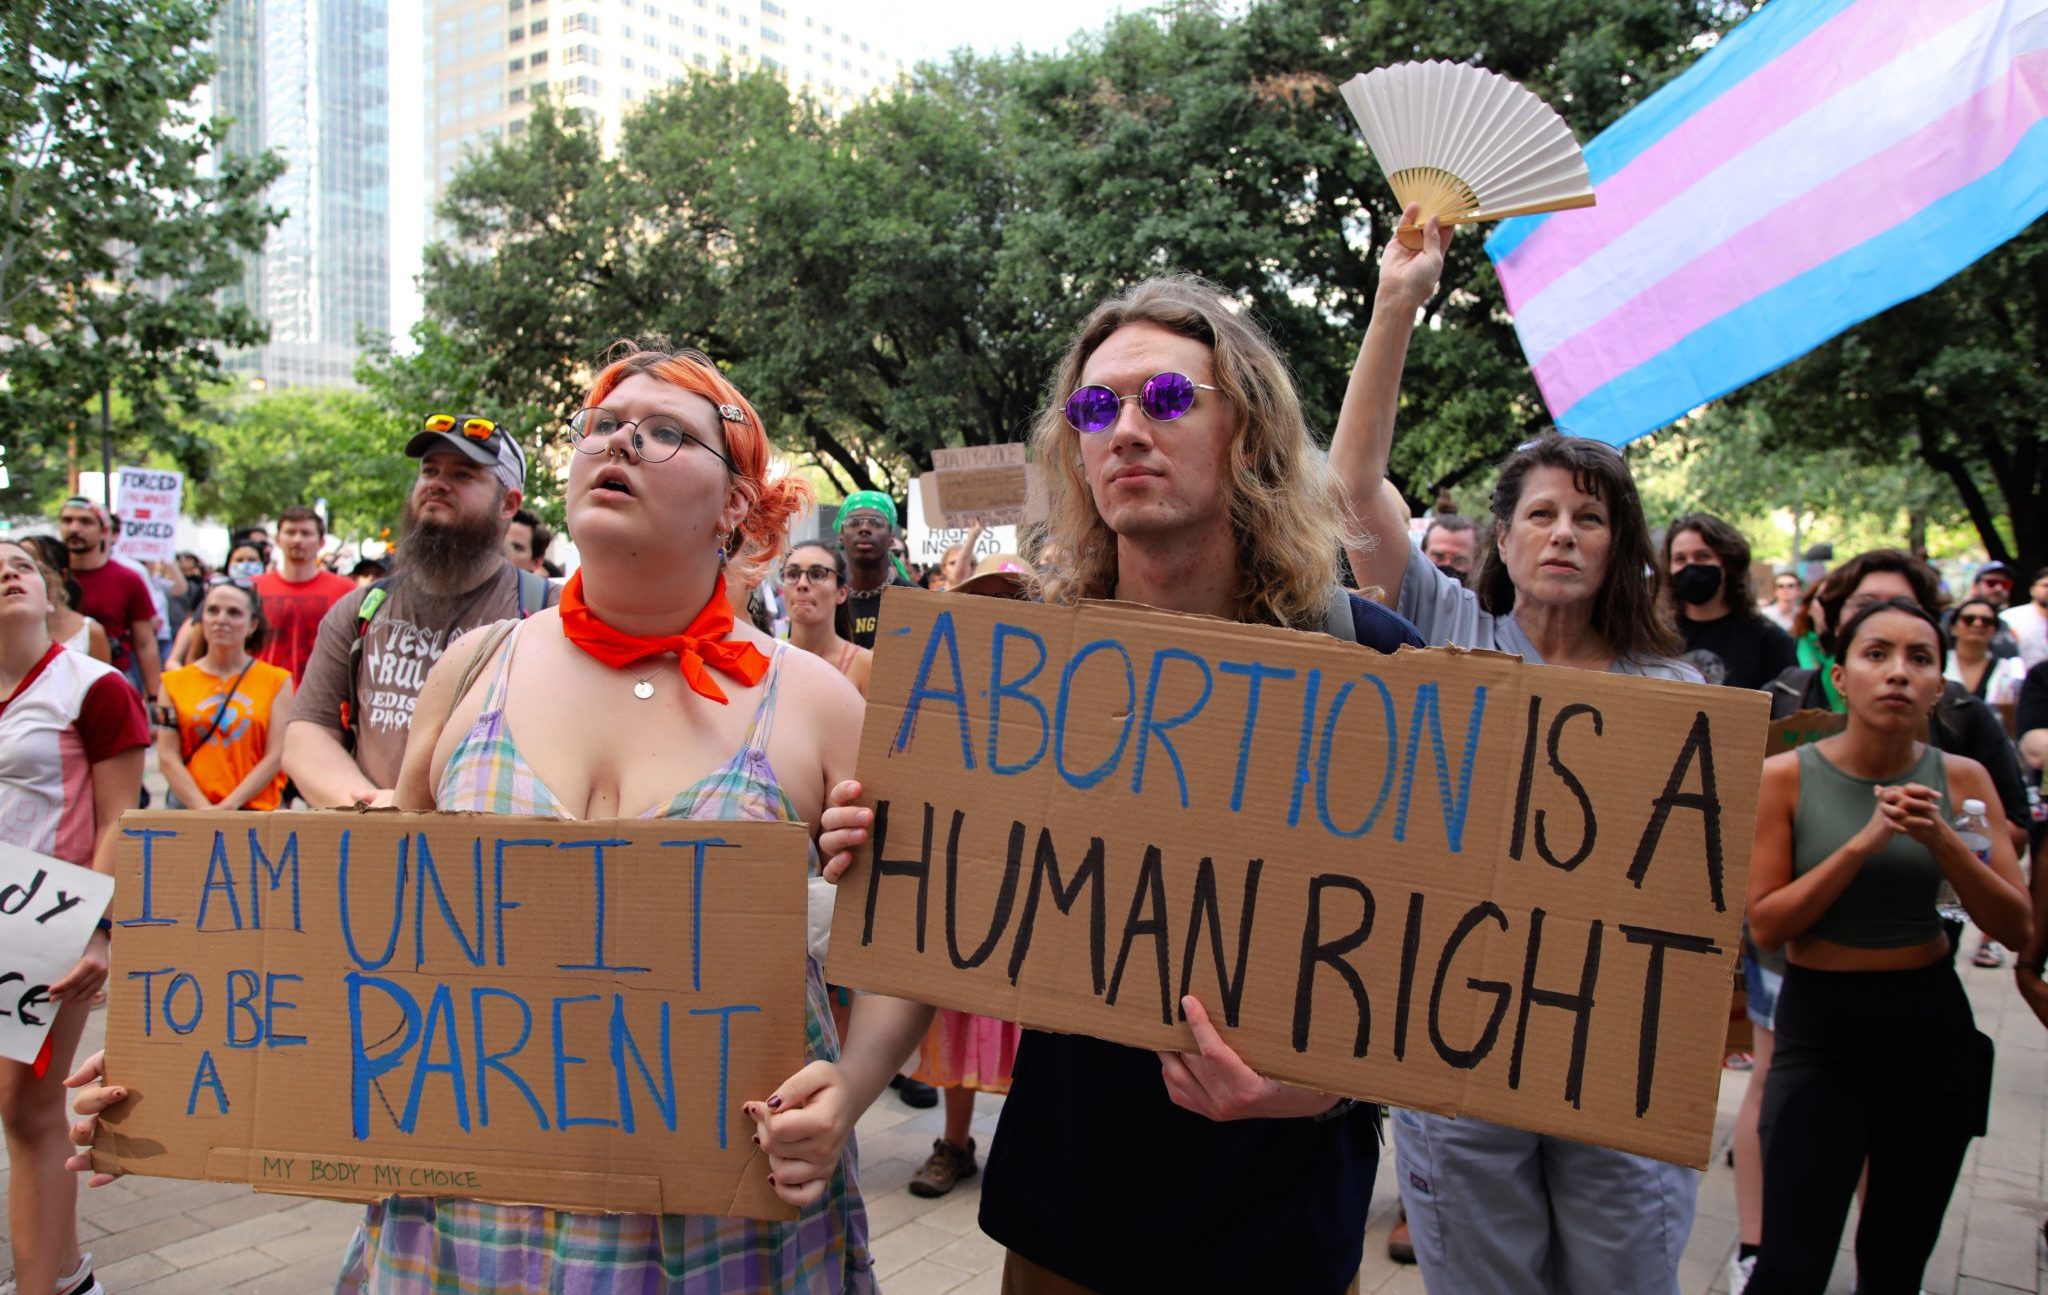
405, 638
1447, 614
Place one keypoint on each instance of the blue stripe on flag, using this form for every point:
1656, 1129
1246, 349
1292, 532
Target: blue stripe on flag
1916, 255
1754, 42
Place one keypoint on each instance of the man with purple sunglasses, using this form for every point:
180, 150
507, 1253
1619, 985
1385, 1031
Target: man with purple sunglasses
1181, 475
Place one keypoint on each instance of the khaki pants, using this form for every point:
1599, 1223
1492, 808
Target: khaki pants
1022, 1277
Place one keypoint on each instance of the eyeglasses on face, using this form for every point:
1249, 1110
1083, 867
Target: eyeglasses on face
1164, 397
474, 426
1994, 582
656, 438
817, 575
1977, 621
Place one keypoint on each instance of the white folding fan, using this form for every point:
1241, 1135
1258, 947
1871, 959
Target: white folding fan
1466, 144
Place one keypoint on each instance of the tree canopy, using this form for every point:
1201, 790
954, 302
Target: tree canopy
122, 219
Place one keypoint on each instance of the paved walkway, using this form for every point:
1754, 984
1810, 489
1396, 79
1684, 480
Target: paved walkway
164, 1237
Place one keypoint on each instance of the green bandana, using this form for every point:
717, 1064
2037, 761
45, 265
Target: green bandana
872, 501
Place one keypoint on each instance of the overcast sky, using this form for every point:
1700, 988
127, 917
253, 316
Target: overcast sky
915, 30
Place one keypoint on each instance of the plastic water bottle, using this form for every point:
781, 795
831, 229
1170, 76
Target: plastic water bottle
1975, 830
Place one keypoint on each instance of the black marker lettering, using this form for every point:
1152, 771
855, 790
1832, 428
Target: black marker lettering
1707, 800
1467, 1058
1151, 886
1591, 827
1580, 1005
1653, 998
1045, 864
1230, 983
1330, 953
920, 868
1411, 945
1005, 897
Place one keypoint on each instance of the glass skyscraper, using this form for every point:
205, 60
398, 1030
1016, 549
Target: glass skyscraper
309, 79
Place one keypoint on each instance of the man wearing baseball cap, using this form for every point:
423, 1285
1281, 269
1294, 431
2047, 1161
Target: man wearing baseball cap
1993, 583
349, 725
867, 524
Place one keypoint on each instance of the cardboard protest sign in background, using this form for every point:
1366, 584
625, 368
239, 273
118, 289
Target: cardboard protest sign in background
508, 1009
1799, 729
48, 909
149, 502
986, 482
926, 539
1442, 879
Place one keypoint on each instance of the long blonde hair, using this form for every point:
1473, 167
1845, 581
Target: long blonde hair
1282, 498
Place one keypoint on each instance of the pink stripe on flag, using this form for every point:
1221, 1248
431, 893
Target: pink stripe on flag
1967, 143
1848, 47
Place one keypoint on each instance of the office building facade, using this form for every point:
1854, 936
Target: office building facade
310, 78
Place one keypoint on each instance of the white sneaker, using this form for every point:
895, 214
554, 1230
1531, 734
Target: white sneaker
81, 1282
1738, 1273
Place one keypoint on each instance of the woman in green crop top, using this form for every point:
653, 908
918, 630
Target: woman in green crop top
1853, 841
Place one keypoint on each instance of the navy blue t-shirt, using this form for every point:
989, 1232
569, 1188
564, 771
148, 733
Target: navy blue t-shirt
1097, 1176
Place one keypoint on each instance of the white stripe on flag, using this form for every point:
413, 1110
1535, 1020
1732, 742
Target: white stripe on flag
1863, 120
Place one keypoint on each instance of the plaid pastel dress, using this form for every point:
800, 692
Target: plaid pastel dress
423, 1246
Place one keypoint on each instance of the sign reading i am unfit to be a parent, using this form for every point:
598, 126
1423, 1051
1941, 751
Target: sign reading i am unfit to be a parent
508, 1009
1445, 880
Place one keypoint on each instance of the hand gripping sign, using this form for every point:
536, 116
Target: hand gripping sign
48, 909
509, 1009
1444, 879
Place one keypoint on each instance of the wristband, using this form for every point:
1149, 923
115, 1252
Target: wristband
105, 926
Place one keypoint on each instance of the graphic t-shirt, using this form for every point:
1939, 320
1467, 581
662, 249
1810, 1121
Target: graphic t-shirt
405, 638
294, 612
116, 597
1739, 651
866, 609
237, 745
68, 714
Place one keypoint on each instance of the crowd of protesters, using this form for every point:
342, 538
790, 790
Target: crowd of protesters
1180, 473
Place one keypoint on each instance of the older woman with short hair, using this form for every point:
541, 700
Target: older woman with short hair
1561, 582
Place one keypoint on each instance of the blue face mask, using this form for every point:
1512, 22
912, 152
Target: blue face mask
245, 570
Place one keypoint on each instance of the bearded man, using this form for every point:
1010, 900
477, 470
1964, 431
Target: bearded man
354, 710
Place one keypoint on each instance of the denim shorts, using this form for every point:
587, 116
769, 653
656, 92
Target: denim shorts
1760, 985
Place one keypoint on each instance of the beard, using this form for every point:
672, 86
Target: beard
445, 554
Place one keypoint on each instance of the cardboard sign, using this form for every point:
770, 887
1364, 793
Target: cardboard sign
48, 909
1802, 728
506, 1009
1443, 879
150, 499
986, 482
926, 540
995, 496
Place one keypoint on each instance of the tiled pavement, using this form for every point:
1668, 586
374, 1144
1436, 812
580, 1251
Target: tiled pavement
162, 1237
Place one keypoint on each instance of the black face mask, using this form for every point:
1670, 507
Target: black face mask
1696, 584
1452, 572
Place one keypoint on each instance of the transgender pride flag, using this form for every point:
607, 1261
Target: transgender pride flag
1826, 160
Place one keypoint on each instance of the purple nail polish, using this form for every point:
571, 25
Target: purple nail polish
775, 1102
771, 1180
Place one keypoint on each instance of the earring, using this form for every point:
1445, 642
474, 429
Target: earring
721, 555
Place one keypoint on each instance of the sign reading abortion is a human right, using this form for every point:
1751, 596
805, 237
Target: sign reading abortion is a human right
1442, 879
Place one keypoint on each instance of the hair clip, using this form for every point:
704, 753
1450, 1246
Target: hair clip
732, 413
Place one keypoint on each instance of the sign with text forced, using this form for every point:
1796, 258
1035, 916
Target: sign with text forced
1444, 879
508, 1009
150, 501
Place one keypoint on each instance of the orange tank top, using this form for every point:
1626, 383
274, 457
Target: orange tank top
237, 744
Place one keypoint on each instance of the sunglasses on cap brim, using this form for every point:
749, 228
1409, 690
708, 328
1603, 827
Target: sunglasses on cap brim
474, 426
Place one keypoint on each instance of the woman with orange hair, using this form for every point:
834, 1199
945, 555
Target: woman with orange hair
668, 488
640, 695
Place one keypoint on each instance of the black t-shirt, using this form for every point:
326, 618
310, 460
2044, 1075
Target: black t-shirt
1739, 651
866, 607
1096, 1175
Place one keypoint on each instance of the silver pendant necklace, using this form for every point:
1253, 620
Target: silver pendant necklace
644, 688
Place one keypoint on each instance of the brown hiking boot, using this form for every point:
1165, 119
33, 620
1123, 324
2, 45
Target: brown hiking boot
1400, 1247
947, 1166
